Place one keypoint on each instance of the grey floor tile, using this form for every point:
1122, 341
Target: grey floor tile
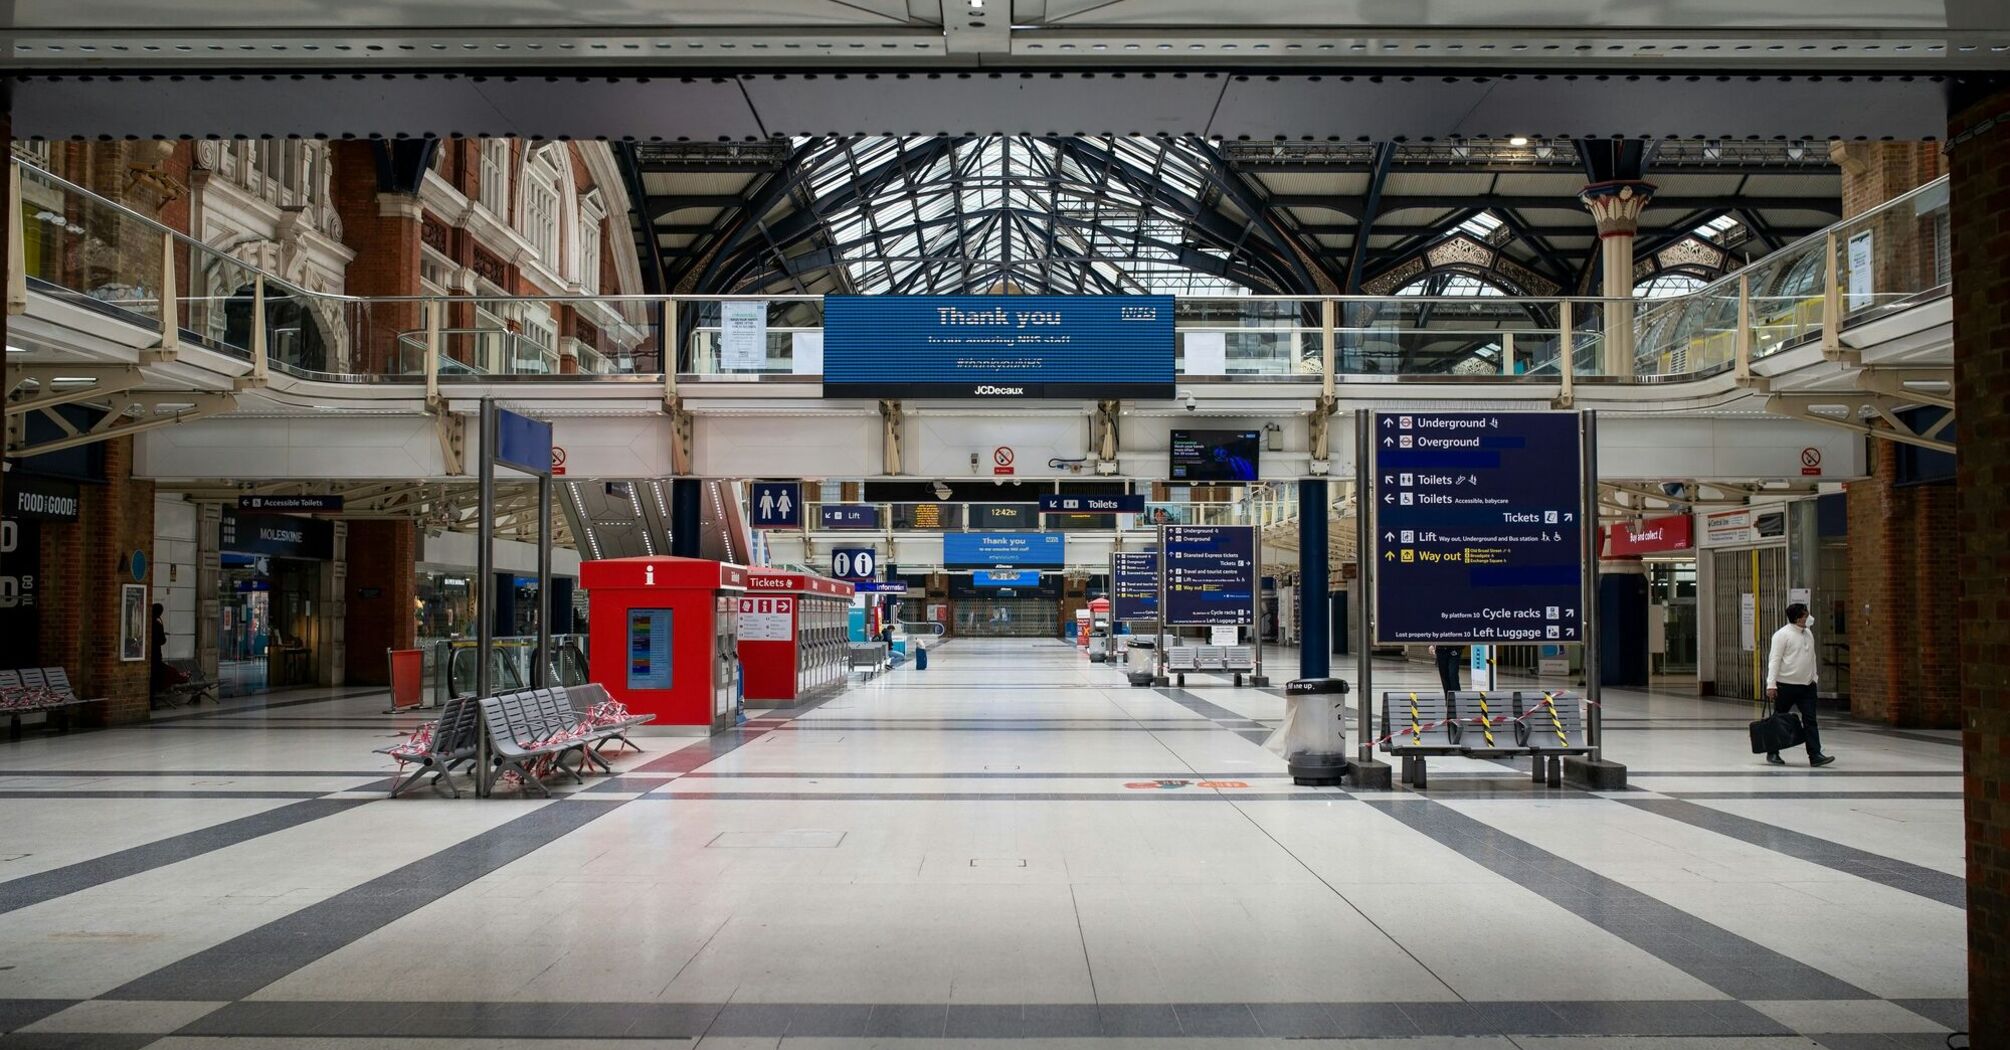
1059, 1020
654, 1020
1372, 1020
908, 1021
1292, 1020
243, 964
1219, 1020
1453, 1018
831, 1020
17, 1013
749, 1019
1136, 1020
980, 1021
275, 1019
74, 1041
1950, 1012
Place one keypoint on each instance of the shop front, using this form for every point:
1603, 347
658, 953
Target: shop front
274, 621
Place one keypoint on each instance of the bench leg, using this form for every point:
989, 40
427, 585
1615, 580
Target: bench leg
1556, 771
1538, 763
1420, 783
13, 727
1238, 680
408, 781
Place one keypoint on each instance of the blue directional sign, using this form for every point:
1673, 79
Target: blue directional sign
1209, 574
1051, 504
854, 563
1134, 585
1478, 538
523, 442
848, 516
777, 504
882, 587
1003, 550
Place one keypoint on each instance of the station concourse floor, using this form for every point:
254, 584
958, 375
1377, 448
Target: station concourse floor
971, 855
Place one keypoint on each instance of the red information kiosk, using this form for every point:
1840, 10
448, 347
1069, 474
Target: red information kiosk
792, 636
662, 637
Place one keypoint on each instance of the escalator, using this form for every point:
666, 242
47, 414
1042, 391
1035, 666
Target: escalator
626, 518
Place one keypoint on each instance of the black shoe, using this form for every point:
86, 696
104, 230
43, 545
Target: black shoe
1773, 759
1821, 760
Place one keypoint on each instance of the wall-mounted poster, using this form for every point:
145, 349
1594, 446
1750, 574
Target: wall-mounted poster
133, 622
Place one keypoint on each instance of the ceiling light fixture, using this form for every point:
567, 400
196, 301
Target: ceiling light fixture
1518, 140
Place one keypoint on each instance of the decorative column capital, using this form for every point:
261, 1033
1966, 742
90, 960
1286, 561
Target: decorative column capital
1617, 205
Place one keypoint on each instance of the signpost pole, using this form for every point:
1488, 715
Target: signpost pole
1256, 603
540, 671
1159, 677
485, 575
1364, 578
1587, 609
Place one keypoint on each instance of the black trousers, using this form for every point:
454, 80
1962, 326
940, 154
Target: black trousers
1448, 657
1802, 698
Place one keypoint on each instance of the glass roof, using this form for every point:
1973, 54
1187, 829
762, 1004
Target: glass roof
1021, 214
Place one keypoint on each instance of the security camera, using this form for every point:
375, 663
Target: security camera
1187, 398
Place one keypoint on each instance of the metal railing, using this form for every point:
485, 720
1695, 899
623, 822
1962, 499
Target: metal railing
75, 246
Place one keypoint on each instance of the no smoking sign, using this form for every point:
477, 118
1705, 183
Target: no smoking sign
1811, 462
1001, 459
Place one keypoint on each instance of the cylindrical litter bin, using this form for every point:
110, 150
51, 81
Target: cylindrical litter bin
1141, 660
1318, 741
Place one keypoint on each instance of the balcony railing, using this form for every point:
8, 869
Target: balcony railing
78, 247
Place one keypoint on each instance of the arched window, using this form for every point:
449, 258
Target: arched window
1664, 285
540, 191
591, 214
494, 188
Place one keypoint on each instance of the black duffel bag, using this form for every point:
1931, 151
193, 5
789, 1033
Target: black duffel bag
1778, 733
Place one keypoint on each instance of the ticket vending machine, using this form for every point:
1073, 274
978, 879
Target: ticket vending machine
662, 634
793, 636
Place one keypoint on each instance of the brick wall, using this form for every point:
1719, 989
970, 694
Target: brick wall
386, 242
1902, 564
1981, 261
84, 566
383, 582
1902, 567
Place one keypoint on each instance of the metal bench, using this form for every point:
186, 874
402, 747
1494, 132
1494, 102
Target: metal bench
195, 690
44, 690
1418, 724
1551, 726
866, 656
1236, 660
455, 737
516, 747
584, 698
1486, 724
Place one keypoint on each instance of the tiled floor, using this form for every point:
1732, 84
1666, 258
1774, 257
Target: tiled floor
1012, 845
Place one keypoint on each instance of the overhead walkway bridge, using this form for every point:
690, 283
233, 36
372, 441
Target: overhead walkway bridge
252, 384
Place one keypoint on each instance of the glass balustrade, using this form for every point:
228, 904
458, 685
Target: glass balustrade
84, 251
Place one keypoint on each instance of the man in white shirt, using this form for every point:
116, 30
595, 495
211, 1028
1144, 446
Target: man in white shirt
1791, 674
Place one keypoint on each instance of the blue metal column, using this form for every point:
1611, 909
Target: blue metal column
687, 501
1315, 658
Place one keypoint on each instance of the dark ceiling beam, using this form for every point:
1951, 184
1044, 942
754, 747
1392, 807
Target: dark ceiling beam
647, 236
1389, 229
1567, 166
665, 204
1614, 160
1286, 267
1371, 206
1350, 205
1549, 262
